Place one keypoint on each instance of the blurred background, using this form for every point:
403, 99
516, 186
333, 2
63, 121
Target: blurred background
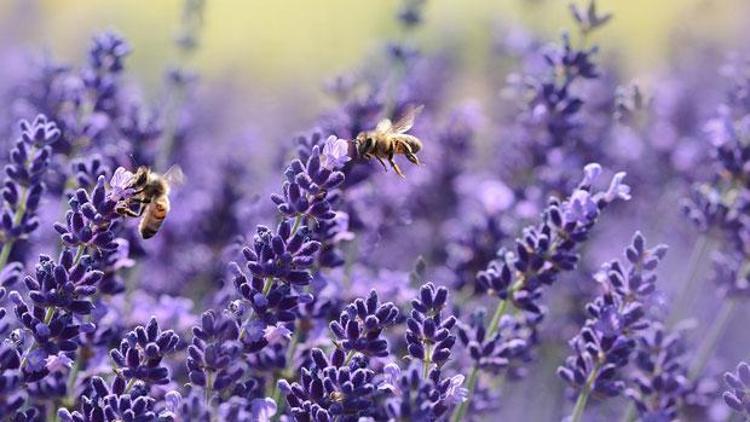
271, 47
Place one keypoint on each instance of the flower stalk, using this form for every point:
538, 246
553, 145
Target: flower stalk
583, 396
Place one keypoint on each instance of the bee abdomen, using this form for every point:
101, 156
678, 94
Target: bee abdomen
154, 217
414, 143
159, 210
149, 230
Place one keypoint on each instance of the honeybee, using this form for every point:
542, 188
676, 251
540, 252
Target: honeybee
389, 139
152, 196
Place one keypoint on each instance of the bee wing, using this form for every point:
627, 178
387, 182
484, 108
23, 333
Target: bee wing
174, 176
407, 121
384, 126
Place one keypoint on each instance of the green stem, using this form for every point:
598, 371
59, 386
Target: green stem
349, 357
129, 385
72, 378
629, 414
461, 410
51, 413
700, 248
711, 339
583, 397
502, 307
427, 360
79, 254
267, 286
209, 386
280, 404
49, 314
5, 252
297, 223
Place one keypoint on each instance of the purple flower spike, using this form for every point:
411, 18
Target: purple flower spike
738, 395
332, 388
282, 256
23, 186
360, 326
307, 190
609, 336
140, 354
428, 335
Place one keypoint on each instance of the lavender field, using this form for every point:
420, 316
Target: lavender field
559, 230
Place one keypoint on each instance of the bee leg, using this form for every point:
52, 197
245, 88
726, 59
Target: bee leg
382, 163
409, 154
396, 168
413, 158
127, 212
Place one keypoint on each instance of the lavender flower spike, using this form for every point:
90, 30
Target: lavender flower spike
608, 337
428, 335
738, 397
545, 250
23, 186
360, 326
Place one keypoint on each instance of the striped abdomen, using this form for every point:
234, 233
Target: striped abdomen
154, 216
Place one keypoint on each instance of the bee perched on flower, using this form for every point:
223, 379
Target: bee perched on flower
148, 192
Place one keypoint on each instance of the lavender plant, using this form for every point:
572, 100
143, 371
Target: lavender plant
608, 338
737, 381
298, 281
717, 208
24, 184
518, 279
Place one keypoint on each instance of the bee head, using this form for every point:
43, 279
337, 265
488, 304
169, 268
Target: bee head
364, 143
141, 177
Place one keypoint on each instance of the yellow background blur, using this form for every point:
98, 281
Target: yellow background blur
283, 45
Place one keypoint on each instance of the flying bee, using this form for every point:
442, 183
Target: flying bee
151, 194
389, 139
